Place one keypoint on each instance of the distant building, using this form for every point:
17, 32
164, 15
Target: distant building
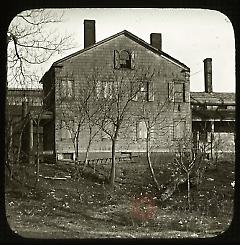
213, 117
23, 108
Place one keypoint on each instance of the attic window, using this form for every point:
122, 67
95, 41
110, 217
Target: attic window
123, 59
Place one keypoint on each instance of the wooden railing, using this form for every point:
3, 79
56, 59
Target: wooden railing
102, 161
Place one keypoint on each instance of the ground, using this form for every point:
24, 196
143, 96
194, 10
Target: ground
65, 207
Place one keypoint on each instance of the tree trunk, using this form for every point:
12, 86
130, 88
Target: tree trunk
87, 150
150, 162
188, 190
9, 150
20, 145
77, 148
37, 157
86, 155
150, 165
113, 167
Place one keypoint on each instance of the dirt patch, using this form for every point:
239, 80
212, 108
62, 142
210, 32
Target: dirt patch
88, 208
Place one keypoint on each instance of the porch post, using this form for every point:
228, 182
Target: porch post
212, 139
31, 153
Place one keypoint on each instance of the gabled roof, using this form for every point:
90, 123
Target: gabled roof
212, 98
132, 37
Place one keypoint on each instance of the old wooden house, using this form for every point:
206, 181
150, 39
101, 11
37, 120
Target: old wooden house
163, 79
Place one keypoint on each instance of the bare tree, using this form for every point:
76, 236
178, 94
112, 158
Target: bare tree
80, 113
154, 114
14, 129
116, 93
36, 115
32, 41
185, 160
189, 166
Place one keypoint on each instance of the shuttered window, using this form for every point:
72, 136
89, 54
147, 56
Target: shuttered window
179, 95
124, 59
104, 89
142, 92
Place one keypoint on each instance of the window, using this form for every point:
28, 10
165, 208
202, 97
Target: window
98, 89
67, 156
178, 92
222, 107
67, 88
179, 128
65, 132
124, 59
104, 89
141, 130
143, 93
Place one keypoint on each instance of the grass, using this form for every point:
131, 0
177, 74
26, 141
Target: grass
88, 208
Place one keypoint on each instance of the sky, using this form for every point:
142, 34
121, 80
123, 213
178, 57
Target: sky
189, 35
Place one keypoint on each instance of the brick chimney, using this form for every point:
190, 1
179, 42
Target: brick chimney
156, 40
208, 75
89, 33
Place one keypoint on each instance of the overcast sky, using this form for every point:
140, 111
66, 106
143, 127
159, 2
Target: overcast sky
189, 35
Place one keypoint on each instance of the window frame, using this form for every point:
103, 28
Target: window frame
118, 60
181, 93
104, 89
65, 88
65, 131
141, 121
127, 62
148, 90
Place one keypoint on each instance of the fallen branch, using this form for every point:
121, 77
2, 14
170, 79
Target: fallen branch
172, 186
54, 178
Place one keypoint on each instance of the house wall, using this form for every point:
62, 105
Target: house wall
100, 61
48, 82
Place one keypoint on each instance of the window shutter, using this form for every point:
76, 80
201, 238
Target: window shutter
116, 59
98, 89
105, 89
133, 60
171, 91
150, 91
134, 92
186, 93
70, 88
